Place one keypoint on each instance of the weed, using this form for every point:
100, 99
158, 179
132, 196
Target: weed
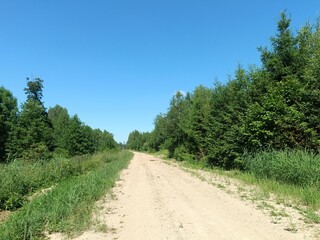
104, 228
221, 186
311, 216
291, 228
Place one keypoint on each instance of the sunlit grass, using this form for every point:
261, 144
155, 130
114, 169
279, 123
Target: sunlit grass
300, 168
68, 206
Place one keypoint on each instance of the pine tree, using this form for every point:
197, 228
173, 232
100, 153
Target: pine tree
60, 119
32, 135
8, 115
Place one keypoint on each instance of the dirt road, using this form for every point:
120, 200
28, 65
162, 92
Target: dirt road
154, 200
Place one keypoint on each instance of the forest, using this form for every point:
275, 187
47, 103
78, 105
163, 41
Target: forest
34, 133
273, 108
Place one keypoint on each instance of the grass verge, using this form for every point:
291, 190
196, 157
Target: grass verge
66, 208
21, 179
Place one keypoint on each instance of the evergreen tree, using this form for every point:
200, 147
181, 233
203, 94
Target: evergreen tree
175, 122
274, 118
32, 135
229, 105
8, 114
310, 93
80, 138
135, 140
281, 61
197, 122
34, 90
103, 140
60, 119
158, 135
75, 137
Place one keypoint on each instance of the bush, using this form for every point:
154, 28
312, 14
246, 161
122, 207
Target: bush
37, 152
181, 154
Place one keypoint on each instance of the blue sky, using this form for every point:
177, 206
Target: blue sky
117, 63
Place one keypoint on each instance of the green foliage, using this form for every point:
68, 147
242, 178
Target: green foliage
37, 151
229, 105
33, 129
8, 114
31, 134
34, 90
72, 137
196, 125
275, 118
293, 167
176, 122
78, 138
281, 60
60, 209
103, 140
21, 178
138, 141
37, 134
60, 120
181, 153
158, 135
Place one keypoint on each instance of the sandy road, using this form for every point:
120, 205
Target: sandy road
158, 201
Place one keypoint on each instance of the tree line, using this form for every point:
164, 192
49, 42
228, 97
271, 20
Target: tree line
32, 132
275, 106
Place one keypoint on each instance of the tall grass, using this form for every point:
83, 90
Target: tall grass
293, 173
67, 207
19, 179
299, 168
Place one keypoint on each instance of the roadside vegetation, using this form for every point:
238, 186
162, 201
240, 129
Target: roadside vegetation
263, 123
67, 206
52, 166
19, 180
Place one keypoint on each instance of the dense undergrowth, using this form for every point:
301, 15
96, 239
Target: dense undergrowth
68, 205
22, 178
300, 168
294, 174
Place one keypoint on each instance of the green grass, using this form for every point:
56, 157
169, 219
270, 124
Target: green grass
21, 179
163, 153
300, 168
68, 206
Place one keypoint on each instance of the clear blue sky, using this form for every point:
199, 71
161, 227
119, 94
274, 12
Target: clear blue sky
117, 63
